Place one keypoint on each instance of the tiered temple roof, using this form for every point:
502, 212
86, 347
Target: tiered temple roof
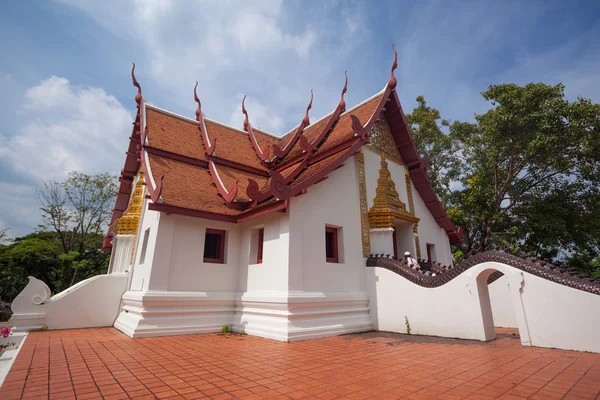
206, 169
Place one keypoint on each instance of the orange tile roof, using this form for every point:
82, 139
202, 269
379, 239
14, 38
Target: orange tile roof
174, 134
192, 186
188, 186
195, 180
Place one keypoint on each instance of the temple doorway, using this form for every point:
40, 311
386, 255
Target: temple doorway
404, 238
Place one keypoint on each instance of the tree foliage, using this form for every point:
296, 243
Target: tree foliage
524, 175
66, 248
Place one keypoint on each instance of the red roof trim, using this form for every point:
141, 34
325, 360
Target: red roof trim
190, 213
248, 128
276, 206
241, 167
176, 157
208, 146
310, 148
227, 194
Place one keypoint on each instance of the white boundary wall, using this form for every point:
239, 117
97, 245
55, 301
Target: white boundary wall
93, 302
547, 314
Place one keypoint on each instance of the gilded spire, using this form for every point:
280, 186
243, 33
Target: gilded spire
387, 205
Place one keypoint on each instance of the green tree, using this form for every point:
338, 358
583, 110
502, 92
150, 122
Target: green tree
77, 210
426, 126
526, 173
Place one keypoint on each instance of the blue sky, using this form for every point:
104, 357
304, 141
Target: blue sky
67, 101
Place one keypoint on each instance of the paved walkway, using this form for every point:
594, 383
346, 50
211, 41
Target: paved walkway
95, 363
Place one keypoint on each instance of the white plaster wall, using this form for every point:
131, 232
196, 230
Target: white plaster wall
502, 306
430, 231
548, 314
141, 272
272, 273
188, 271
334, 202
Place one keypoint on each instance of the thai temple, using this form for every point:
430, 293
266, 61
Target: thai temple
301, 235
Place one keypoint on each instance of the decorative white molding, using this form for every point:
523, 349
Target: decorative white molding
382, 241
298, 316
278, 315
162, 313
35, 293
121, 255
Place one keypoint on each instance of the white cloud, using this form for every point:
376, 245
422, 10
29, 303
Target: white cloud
66, 128
70, 128
260, 116
262, 49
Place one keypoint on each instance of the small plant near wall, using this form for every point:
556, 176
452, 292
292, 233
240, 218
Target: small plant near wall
5, 333
225, 329
44, 327
407, 325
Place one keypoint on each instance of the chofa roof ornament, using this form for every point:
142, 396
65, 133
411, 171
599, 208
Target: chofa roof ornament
263, 155
393, 81
281, 153
138, 96
208, 146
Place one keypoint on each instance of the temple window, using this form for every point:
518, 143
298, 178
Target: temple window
431, 256
144, 246
331, 244
259, 249
214, 246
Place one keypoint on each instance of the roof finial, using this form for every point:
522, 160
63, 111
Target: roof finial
344, 90
246, 122
138, 96
306, 121
199, 109
392, 83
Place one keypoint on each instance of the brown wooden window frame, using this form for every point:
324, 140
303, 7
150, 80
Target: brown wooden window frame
259, 248
335, 247
429, 246
220, 250
395, 243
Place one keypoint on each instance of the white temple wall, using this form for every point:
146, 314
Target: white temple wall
502, 306
141, 271
547, 314
188, 271
334, 203
431, 232
272, 273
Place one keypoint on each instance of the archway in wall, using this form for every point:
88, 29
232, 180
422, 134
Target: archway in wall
496, 303
503, 311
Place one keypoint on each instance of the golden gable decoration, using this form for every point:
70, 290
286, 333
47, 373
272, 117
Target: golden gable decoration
364, 207
387, 205
130, 220
382, 141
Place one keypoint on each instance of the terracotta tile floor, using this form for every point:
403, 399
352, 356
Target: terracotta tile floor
95, 363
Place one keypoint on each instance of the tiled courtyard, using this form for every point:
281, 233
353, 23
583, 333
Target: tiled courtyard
103, 363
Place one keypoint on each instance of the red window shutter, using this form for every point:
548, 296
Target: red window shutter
259, 252
331, 245
214, 246
395, 239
